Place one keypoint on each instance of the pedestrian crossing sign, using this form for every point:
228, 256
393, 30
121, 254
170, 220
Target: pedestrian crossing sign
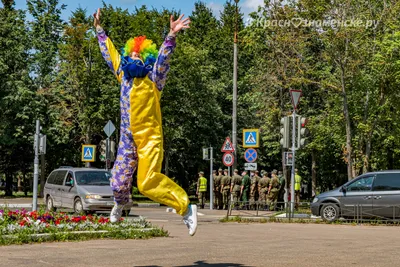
88, 153
251, 138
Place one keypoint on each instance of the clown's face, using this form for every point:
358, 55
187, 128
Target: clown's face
135, 56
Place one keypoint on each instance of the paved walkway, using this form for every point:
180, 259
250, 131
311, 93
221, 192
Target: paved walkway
222, 244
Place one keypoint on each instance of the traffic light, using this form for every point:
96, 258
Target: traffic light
285, 131
103, 150
302, 132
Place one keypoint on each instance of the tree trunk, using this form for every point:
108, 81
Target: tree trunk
19, 183
25, 182
349, 148
166, 155
366, 166
9, 183
313, 174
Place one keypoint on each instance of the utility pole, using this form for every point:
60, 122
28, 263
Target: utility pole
293, 166
211, 179
234, 97
89, 71
295, 96
36, 166
209, 156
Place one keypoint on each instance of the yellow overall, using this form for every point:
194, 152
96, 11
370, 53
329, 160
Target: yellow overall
146, 129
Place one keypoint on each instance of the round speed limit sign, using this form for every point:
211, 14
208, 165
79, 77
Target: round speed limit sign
227, 159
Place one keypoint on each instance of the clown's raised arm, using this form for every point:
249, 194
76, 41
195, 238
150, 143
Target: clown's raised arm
161, 68
107, 48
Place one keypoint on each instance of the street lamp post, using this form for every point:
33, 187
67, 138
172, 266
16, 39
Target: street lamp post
234, 110
89, 73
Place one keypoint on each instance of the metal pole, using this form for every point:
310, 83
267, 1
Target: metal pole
36, 167
293, 166
107, 152
211, 180
89, 71
234, 100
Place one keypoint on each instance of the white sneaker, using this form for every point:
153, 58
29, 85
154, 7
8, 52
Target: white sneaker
116, 213
190, 219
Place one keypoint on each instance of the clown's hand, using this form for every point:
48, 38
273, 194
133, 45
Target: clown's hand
179, 24
96, 19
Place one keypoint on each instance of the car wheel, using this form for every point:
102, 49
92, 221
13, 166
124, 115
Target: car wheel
330, 212
125, 213
50, 204
78, 206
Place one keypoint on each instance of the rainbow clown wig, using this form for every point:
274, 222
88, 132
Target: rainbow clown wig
148, 52
143, 46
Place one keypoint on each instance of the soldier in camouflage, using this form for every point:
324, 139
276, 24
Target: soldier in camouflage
273, 190
263, 190
245, 189
236, 182
225, 186
217, 190
254, 190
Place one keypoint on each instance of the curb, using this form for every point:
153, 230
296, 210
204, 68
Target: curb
15, 206
146, 205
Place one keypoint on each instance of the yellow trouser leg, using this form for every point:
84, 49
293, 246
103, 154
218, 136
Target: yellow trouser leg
159, 187
146, 128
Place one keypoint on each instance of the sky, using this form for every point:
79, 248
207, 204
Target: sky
186, 6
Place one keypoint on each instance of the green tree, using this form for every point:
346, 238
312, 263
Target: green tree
17, 97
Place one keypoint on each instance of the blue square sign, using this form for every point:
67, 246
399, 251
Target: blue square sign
250, 138
88, 153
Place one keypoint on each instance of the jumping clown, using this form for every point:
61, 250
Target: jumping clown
142, 72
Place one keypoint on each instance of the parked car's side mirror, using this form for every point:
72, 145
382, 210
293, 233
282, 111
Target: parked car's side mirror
70, 183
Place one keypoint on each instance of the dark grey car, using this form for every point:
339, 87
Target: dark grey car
85, 190
375, 194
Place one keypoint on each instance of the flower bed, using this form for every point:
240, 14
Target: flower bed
21, 226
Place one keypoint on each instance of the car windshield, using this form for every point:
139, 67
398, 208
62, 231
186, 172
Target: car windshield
93, 178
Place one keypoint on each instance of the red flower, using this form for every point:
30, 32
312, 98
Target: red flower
103, 220
76, 219
22, 223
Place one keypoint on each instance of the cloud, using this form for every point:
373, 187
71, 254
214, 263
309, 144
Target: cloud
249, 6
216, 8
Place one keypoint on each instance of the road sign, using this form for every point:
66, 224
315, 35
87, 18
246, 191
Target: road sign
227, 159
250, 166
88, 153
227, 146
250, 155
42, 144
288, 158
205, 154
109, 128
295, 95
251, 138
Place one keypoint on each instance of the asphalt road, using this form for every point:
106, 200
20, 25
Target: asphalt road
222, 244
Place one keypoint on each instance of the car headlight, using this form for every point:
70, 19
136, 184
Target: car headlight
93, 196
315, 200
